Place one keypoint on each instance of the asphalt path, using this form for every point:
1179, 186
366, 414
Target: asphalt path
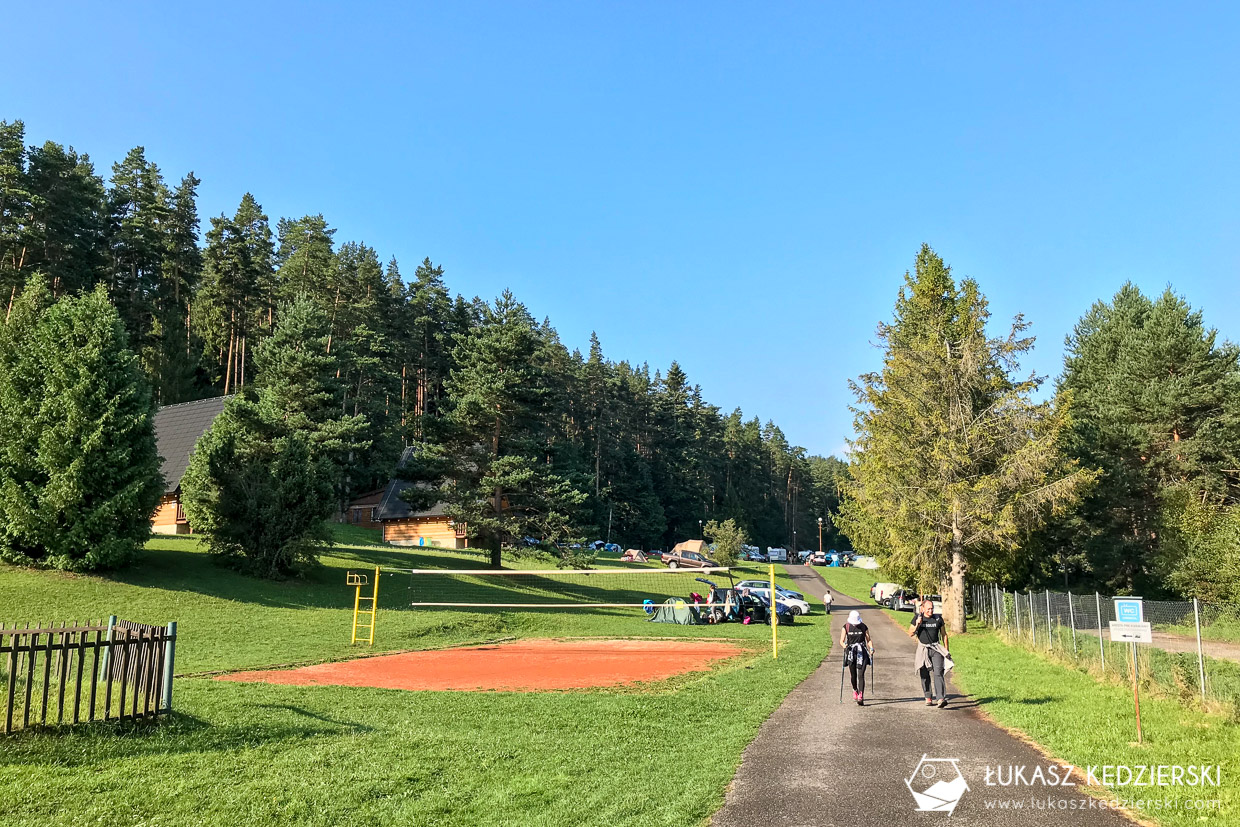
819, 763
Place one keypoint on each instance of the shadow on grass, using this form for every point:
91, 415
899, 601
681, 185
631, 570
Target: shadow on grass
174, 734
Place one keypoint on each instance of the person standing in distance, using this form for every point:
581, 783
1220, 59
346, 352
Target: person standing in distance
827, 600
932, 651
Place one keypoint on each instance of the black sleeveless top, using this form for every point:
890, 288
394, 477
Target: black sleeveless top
855, 634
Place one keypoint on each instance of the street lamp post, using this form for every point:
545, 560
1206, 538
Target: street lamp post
701, 533
820, 535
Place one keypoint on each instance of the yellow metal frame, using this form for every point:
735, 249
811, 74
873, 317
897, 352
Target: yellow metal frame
359, 613
774, 616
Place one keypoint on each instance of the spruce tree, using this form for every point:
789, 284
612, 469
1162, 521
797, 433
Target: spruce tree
493, 470
271, 469
953, 461
1157, 412
82, 498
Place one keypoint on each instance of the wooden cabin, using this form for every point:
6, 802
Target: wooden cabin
177, 428
363, 512
402, 526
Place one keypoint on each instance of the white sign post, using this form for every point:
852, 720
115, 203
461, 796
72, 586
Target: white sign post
1130, 626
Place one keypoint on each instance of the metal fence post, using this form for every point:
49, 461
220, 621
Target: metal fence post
1072, 621
1201, 663
1033, 622
1016, 606
170, 653
1102, 651
1050, 640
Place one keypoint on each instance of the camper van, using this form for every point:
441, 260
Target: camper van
777, 555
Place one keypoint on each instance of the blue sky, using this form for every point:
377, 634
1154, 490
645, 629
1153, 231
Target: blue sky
735, 186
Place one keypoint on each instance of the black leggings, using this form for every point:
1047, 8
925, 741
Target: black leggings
935, 668
856, 671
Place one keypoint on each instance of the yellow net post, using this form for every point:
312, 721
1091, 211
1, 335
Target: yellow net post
361, 614
774, 616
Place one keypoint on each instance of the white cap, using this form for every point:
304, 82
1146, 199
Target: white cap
854, 617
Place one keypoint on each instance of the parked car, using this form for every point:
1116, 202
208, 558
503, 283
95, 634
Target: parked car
754, 556
687, 560
904, 600
803, 556
795, 600
818, 558
881, 592
907, 600
655, 555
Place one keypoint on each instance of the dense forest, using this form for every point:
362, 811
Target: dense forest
644, 459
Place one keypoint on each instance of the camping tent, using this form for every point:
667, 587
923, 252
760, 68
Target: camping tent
677, 611
692, 545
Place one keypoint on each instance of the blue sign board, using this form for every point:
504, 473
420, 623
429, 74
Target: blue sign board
1129, 610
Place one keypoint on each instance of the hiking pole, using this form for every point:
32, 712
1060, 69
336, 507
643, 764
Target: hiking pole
843, 664
873, 671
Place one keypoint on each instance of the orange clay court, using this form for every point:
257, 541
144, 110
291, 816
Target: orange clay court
523, 666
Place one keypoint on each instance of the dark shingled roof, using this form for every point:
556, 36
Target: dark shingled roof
392, 507
177, 428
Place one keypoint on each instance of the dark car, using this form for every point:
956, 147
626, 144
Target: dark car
687, 560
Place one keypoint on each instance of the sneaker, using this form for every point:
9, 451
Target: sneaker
854, 694
943, 702
929, 701
860, 699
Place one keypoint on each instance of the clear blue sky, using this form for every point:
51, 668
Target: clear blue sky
738, 187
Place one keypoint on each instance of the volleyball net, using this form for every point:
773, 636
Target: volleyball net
557, 588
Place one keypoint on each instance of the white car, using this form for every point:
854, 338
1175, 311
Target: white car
794, 600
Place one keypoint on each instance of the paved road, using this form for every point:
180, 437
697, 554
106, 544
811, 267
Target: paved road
1187, 643
818, 763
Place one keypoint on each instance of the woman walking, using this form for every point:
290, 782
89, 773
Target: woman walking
858, 653
932, 652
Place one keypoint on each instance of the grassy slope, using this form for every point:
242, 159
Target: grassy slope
1080, 720
256, 754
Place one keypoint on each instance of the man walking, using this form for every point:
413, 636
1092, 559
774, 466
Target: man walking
827, 600
932, 652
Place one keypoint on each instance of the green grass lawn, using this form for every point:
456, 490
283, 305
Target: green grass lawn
263, 754
1082, 720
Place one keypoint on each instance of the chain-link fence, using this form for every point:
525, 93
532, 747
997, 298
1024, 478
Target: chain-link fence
1195, 654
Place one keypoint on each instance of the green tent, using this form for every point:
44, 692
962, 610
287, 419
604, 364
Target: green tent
675, 610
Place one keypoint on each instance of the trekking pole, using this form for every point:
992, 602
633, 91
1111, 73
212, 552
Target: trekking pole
873, 671
843, 664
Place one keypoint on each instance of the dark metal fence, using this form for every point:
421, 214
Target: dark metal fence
79, 672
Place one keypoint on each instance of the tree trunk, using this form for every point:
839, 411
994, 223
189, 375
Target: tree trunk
953, 602
232, 335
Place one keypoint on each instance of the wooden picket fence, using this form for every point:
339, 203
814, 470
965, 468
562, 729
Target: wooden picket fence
80, 672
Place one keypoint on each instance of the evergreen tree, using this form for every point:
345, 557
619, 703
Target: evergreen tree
68, 218
235, 301
1155, 409
952, 460
138, 207
80, 495
15, 206
270, 471
493, 470
306, 261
